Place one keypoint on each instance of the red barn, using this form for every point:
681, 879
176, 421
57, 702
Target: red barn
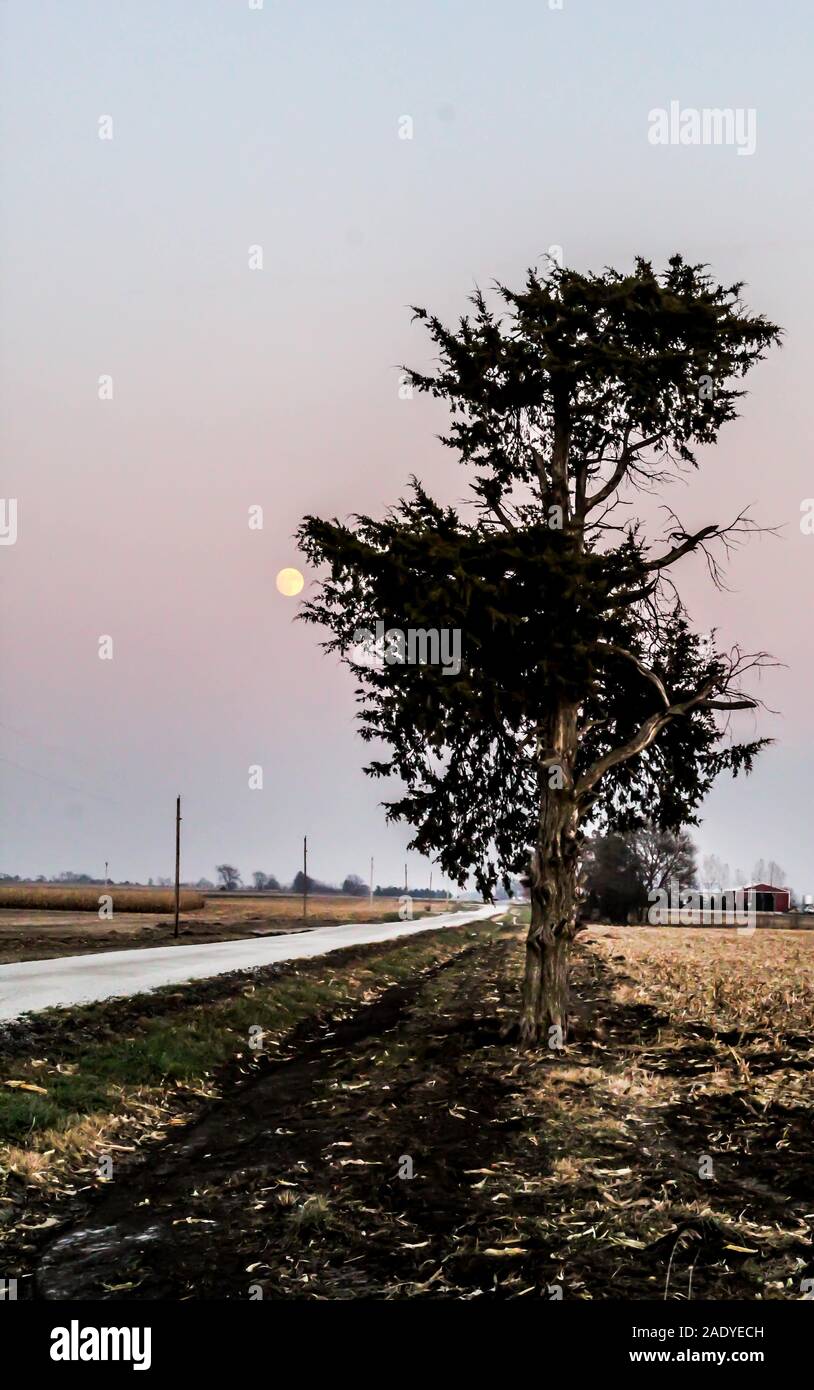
768, 898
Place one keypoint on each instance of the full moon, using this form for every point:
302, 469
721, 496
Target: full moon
289, 582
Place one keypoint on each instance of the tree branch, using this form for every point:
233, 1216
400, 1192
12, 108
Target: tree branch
642, 739
640, 667
731, 704
503, 517
696, 540
623, 463
690, 542
622, 600
717, 693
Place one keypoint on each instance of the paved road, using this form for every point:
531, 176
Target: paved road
27, 986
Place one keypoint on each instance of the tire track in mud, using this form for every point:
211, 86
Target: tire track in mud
190, 1218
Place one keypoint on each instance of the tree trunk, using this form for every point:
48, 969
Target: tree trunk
553, 891
545, 986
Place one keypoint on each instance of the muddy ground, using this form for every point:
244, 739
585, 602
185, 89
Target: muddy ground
412, 1150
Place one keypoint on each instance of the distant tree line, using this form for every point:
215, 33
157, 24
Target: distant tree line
230, 879
619, 871
391, 890
79, 879
353, 885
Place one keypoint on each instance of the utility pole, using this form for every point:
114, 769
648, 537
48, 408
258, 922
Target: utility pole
371, 880
430, 882
177, 861
405, 878
105, 873
305, 876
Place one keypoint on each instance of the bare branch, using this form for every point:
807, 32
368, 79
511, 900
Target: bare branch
731, 704
623, 463
502, 516
639, 741
622, 600
718, 692
640, 667
687, 541
690, 542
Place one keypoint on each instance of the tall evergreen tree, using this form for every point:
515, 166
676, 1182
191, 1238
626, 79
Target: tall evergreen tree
584, 698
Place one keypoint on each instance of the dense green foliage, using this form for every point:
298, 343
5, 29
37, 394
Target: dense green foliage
559, 396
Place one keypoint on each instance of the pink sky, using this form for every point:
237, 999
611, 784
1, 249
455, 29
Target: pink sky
279, 387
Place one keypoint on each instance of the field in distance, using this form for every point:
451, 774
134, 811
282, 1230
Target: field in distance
39, 933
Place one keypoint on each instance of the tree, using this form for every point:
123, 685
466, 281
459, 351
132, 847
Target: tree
612, 877
515, 890
355, 885
229, 876
664, 855
714, 874
777, 876
314, 884
260, 880
622, 872
584, 695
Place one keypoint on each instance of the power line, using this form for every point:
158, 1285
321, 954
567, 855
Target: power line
38, 743
59, 781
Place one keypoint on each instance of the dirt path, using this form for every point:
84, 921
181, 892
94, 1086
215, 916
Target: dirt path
410, 1151
288, 1163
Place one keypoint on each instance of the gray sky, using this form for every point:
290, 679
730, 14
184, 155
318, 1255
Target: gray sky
128, 257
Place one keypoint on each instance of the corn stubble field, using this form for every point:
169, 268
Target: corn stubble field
389, 1139
48, 897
